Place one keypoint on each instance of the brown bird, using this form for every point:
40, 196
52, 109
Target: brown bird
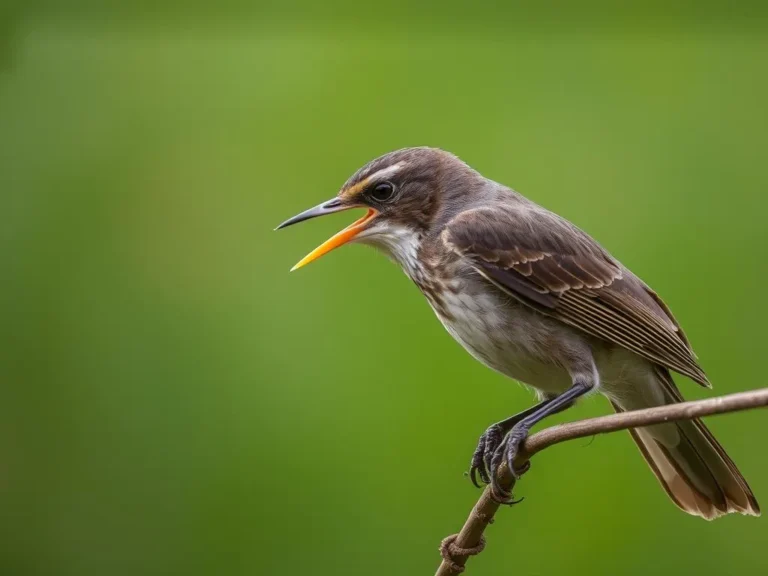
532, 296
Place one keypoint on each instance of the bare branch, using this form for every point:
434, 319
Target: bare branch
456, 549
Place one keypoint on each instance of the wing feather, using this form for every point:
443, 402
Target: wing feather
554, 267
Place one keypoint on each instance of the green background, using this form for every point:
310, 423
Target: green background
174, 402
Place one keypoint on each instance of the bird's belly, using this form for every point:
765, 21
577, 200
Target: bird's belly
504, 336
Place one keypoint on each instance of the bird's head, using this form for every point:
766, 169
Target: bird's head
403, 192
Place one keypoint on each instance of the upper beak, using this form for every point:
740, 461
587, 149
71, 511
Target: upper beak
329, 207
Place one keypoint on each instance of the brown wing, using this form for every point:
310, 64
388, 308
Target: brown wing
552, 266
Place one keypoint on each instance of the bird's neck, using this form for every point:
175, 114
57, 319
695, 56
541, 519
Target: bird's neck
402, 245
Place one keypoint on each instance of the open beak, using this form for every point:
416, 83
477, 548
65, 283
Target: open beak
337, 239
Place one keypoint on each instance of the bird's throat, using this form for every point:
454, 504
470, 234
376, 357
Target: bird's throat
402, 245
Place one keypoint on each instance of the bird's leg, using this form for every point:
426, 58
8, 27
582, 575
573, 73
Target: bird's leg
491, 440
509, 448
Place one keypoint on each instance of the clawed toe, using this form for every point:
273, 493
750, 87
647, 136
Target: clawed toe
482, 458
476, 466
476, 471
505, 498
502, 496
511, 448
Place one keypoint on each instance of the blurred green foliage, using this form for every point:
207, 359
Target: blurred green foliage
172, 401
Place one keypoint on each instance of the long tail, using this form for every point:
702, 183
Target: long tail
690, 464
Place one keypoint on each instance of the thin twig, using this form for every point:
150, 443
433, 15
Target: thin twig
471, 535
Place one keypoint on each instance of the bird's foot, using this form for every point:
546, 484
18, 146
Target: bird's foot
507, 451
481, 459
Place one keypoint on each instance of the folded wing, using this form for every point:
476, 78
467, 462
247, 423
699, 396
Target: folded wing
547, 263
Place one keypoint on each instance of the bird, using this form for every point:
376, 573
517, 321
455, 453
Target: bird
532, 296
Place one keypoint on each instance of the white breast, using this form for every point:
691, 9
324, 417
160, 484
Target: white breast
478, 325
492, 327
504, 336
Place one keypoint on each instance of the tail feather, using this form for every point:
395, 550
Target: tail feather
691, 465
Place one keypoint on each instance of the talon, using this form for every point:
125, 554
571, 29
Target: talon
478, 470
499, 495
502, 496
473, 476
476, 464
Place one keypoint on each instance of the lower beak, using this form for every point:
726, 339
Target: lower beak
337, 239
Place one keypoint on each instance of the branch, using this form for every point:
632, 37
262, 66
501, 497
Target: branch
457, 549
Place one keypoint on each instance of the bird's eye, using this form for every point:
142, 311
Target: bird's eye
383, 191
